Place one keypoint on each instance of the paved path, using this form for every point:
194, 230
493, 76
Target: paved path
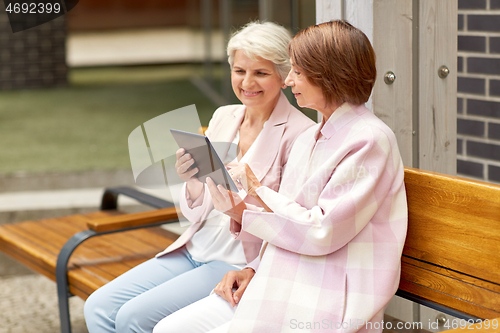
28, 304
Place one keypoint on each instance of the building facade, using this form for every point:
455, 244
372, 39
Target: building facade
478, 90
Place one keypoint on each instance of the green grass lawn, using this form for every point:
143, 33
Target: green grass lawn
86, 125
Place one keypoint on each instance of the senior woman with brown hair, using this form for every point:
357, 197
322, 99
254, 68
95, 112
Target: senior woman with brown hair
334, 233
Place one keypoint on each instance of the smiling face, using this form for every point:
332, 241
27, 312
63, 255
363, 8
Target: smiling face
256, 83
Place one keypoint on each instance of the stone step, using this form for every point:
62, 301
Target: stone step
22, 182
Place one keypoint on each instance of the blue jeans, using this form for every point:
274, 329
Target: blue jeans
141, 297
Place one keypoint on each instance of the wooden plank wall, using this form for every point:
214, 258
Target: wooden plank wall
437, 97
392, 42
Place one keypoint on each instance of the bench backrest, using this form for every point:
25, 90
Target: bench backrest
452, 251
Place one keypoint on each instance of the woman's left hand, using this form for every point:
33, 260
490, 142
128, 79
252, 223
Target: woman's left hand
225, 201
238, 280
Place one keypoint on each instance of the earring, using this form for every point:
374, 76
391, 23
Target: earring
284, 86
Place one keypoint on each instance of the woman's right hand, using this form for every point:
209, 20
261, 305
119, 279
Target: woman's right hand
234, 279
182, 165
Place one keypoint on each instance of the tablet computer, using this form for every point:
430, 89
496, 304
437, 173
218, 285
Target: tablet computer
205, 157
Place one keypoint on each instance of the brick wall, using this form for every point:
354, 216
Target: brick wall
478, 121
33, 58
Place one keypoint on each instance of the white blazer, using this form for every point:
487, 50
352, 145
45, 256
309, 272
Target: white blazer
285, 124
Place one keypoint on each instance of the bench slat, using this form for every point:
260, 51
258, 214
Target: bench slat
95, 262
70, 226
38, 256
466, 279
52, 242
88, 276
12, 249
451, 253
450, 292
454, 224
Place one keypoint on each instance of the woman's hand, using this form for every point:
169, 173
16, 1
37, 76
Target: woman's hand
244, 177
182, 164
234, 279
225, 201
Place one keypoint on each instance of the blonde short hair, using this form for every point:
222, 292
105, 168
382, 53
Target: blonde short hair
266, 40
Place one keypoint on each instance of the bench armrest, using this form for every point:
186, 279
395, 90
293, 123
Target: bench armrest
488, 325
143, 219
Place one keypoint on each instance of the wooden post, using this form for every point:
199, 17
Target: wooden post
392, 42
327, 10
412, 39
437, 101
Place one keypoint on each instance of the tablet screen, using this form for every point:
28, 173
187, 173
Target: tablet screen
205, 157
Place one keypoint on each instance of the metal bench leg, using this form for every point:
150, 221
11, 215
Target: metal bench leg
63, 308
62, 270
62, 276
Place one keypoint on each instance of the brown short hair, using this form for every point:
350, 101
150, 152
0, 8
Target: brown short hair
338, 58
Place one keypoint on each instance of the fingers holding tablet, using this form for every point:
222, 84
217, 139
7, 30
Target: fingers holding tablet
184, 165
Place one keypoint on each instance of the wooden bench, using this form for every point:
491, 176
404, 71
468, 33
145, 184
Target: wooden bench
102, 245
451, 259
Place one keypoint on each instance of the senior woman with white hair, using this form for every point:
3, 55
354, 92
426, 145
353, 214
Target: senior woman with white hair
264, 129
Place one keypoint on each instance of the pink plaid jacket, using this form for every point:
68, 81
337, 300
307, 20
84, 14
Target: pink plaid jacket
336, 236
283, 127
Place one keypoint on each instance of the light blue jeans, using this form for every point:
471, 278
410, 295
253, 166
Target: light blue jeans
141, 297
